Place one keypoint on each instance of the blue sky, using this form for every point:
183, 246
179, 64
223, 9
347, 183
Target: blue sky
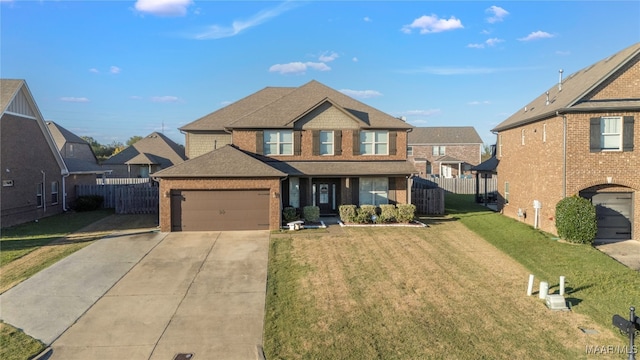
115, 69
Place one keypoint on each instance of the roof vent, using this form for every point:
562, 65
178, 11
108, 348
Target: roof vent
560, 81
525, 109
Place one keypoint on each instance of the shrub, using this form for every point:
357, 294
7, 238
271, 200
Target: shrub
576, 220
290, 214
311, 213
405, 212
388, 213
348, 213
89, 202
365, 214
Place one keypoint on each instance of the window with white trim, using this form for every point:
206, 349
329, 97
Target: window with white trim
523, 133
544, 133
374, 191
438, 150
54, 192
278, 142
409, 150
39, 192
326, 142
374, 142
611, 133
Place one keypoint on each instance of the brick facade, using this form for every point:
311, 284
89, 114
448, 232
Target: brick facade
469, 153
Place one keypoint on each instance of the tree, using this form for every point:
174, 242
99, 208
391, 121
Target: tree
487, 152
103, 152
134, 139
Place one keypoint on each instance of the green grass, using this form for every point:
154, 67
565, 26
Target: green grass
16, 345
597, 285
17, 241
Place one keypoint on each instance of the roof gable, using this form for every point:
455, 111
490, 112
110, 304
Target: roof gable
227, 162
62, 136
573, 94
165, 152
328, 115
444, 135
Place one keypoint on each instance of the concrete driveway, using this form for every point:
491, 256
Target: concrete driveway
200, 293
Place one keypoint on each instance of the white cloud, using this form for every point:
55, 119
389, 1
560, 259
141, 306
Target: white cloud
563, 53
355, 59
238, 26
298, 67
497, 14
163, 7
488, 42
427, 112
362, 94
135, 97
476, 46
537, 35
476, 102
115, 70
165, 99
367, 19
328, 57
92, 70
432, 24
74, 99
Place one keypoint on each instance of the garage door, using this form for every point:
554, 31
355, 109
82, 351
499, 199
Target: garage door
614, 214
194, 210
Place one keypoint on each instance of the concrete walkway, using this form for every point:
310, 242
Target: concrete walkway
626, 252
200, 293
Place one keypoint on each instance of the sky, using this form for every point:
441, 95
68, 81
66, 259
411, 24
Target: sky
116, 69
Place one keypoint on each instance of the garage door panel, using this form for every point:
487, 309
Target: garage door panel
614, 213
220, 210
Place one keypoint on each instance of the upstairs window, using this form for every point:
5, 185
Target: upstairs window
278, 142
611, 133
409, 150
374, 142
54, 192
438, 151
326, 142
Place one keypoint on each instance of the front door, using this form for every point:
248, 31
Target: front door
326, 195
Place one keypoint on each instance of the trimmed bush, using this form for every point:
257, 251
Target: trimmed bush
405, 213
388, 213
576, 220
348, 213
89, 202
290, 214
311, 213
365, 214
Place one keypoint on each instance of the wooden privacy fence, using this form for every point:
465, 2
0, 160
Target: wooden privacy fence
125, 199
464, 186
428, 201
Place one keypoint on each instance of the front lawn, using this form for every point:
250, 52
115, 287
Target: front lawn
438, 292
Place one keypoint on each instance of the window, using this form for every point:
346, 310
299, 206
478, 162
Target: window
374, 191
409, 150
506, 192
294, 192
438, 151
500, 145
71, 152
39, 193
611, 133
278, 142
54, 192
326, 142
374, 142
522, 134
544, 133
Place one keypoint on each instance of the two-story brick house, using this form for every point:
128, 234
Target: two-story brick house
447, 151
33, 173
284, 146
577, 138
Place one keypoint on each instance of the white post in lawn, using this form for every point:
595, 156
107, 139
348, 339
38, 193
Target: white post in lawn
562, 285
530, 286
544, 289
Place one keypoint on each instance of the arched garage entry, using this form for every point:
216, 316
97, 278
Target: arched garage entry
614, 210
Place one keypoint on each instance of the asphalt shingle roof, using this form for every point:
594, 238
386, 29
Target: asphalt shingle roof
61, 135
165, 152
444, 135
343, 168
576, 89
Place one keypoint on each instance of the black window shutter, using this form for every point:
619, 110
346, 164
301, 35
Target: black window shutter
259, 142
392, 142
356, 142
297, 142
316, 142
594, 135
627, 133
392, 191
337, 142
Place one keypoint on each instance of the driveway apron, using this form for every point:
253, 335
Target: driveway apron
199, 293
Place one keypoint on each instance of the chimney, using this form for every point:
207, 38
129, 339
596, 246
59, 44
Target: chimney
560, 81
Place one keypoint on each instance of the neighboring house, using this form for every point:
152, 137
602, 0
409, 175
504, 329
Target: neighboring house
32, 170
284, 146
145, 157
79, 158
444, 151
577, 138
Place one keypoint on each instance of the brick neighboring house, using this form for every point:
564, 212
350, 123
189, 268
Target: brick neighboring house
284, 146
577, 138
145, 157
444, 151
79, 158
31, 168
